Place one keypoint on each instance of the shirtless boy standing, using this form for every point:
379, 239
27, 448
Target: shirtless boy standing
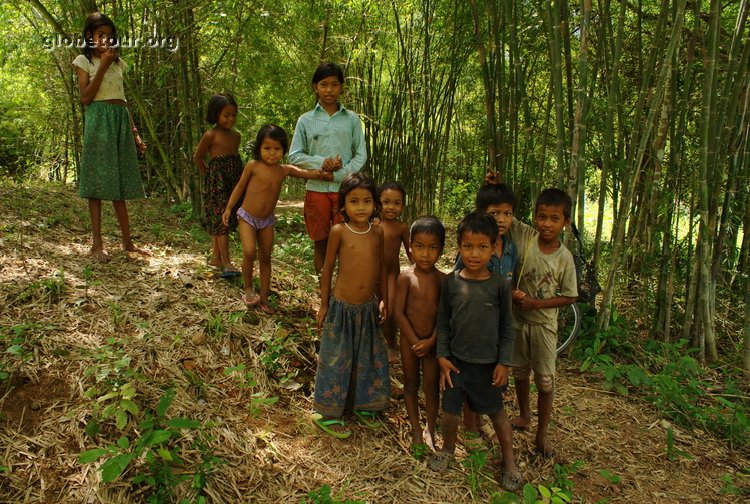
415, 310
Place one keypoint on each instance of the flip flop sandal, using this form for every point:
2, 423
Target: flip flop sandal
488, 434
440, 461
510, 481
255, 300
325, 424
369, 418
229, 273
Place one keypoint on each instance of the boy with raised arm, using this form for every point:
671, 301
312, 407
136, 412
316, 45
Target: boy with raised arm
475, 343
546, 281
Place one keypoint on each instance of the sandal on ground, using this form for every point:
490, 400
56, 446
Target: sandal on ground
230, 272
253, 300
419, 450
369, 418
511, 481
440, 461
266, 308
473, 441
325, 426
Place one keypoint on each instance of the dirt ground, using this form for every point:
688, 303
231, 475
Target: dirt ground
67, 324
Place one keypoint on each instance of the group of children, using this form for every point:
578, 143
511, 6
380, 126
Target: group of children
463, 332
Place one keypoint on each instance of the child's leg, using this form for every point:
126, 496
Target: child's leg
248, 238
545, 386
216, 259
450, 431
410, 363
471, 419
319, 254
221, 251
430, 378
97, 246
523, 420
389, 328
505, 436
121, 211
265, 245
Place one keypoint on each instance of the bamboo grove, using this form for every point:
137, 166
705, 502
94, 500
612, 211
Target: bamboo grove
638, 109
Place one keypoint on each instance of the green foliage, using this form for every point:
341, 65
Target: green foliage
293, 245
50, 289
17, 345
474, 463
459, 198
246, 380
324, 496
159, 444
672, 452
531, 494
562, 473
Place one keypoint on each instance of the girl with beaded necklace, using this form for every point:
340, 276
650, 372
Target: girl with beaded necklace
353, 362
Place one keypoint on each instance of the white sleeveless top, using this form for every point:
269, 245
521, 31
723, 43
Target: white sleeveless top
112, 85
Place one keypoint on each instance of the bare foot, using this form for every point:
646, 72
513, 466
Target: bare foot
429, 439
416, 435
520, 424
100, 255
546, 451
134, 249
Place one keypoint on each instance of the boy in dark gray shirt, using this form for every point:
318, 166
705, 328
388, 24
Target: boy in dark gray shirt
475, 343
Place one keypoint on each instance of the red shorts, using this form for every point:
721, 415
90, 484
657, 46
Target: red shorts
321, 213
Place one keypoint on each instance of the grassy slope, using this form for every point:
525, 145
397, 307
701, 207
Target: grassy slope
67, 324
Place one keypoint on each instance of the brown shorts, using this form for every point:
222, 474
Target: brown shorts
536, 347
321, 213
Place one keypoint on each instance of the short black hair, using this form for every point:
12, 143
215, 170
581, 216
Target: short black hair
274, 133
429, 224
329, 69
216, 104
495, 194
478, 223
358, 180
392, 185
555, 197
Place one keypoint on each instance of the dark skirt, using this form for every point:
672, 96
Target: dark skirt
352, 362
109, 161
222, 174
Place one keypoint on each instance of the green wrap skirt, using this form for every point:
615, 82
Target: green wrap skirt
109, 162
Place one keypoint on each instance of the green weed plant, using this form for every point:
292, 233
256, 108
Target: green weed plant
159, 444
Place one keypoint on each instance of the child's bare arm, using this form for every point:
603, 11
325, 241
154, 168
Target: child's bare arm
326, 275
238, 191
199, 158
399, 310
405, 240
293, 171
530, 303
382, 277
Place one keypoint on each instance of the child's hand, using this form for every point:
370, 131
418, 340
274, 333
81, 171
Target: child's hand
325, 175
446, 366
500, 375
322, 312
139, 145
423, 347
225, 216
518, 294
107, 57
337, 163
383, 312
329, 165
492, 177
527, 303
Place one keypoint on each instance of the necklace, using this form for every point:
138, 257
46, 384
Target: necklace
369, 227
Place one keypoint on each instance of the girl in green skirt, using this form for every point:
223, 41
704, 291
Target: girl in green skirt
109, 162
